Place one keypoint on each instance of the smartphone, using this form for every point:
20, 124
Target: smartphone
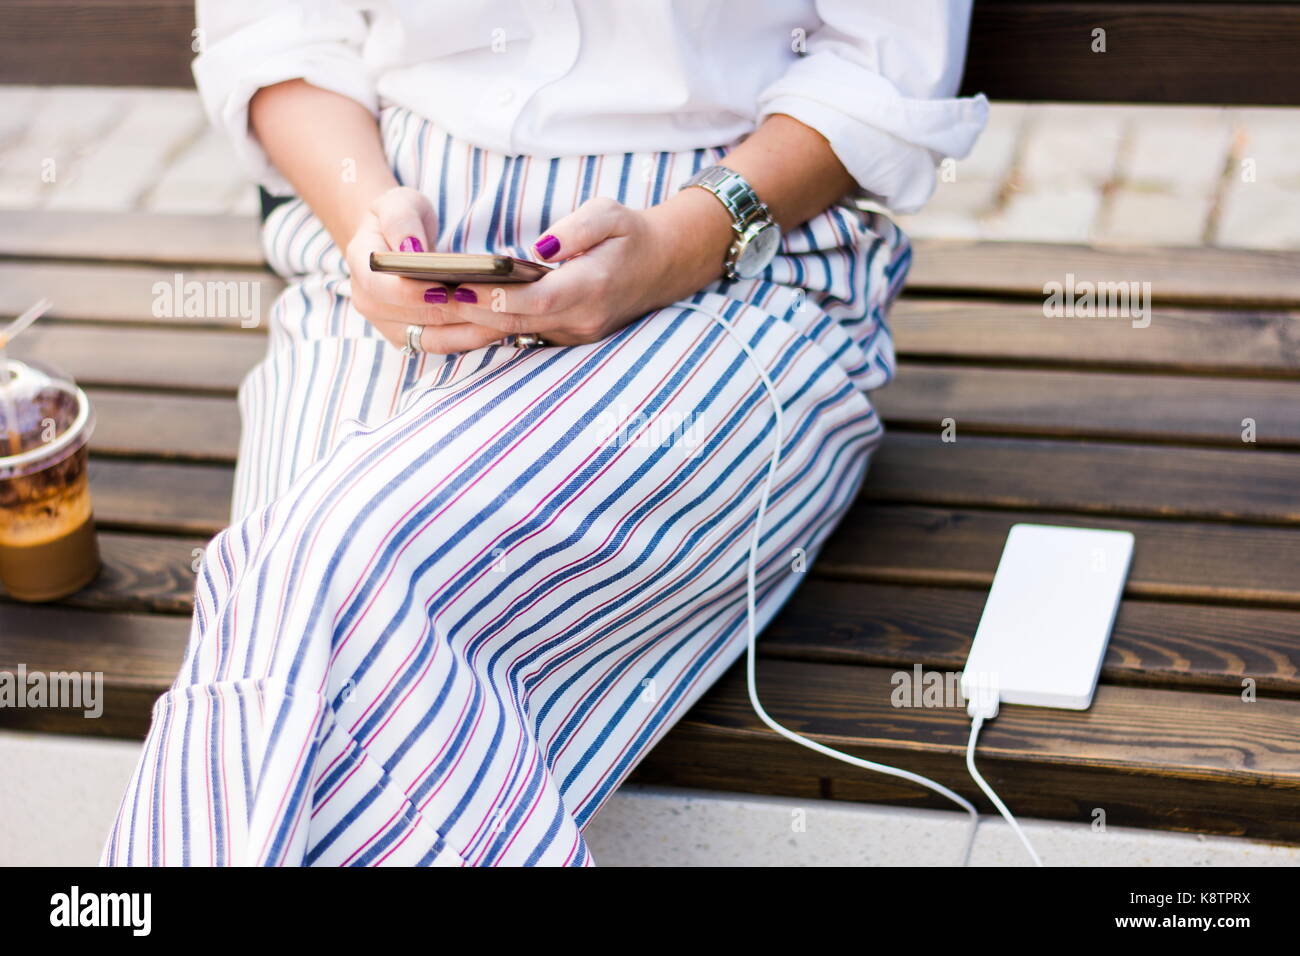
456, 267
1049, 615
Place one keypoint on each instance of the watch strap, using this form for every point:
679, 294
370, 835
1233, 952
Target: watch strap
738, 198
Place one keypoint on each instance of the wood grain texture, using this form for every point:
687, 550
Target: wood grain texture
1236, 278
165, 426
1182, 561
229, 241
1249, 485
1154, 644
1242, 484
1245, 279
1156, 52
1186, 409
141, 573
1192, 409
137, 654
96, 42
1214, 563
1154, 758
131, 294
161, 496
1208, 341
181, 360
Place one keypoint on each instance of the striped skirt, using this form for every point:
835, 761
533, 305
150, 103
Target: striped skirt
462, 596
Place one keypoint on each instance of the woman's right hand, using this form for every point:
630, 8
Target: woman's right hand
403, 219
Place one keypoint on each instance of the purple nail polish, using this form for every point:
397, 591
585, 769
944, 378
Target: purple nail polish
547, 246
435, 296
465, 295
411, 244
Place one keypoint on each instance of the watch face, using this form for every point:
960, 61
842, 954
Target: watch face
757, 251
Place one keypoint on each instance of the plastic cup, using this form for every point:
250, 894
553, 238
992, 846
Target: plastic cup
48, 547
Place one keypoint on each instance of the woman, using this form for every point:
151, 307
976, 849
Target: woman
489, 543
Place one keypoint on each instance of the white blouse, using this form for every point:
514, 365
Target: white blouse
877, 78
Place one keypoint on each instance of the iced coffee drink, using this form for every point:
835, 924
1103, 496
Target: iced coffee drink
47, 535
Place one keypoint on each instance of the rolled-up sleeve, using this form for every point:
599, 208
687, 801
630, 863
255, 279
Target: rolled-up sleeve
879, 81
249, 44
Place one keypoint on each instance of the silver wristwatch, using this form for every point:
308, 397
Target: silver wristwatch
757, 235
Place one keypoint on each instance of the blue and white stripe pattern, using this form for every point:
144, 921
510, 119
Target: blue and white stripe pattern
462, 596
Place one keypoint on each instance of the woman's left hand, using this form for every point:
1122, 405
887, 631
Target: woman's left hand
619, 264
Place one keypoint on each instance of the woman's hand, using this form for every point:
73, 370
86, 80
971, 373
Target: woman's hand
619, 263
403, 219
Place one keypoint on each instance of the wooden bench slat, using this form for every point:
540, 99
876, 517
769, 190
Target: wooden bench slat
1246, 484
143, 573
1154, 758
1179, 275
1167, 408
161, 496
1193, 275
180, 239
1229, 53
192, 360
904, 544
1172, 560
977, 472
1156, 644
1010, 401
1207, 341
125, 294
138, 655
1203, 340
167, 426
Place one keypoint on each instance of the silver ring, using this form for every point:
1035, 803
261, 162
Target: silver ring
412, 346
528, 340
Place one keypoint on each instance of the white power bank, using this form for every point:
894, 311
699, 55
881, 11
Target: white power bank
1048, 617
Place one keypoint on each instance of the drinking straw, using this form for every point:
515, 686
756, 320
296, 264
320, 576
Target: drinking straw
7, 335
10, 332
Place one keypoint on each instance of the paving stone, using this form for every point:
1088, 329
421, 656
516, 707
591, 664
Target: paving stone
1268, 146
1062, 215
114, 172
1181, 151
64, 120
203, 178
18, 104
1133, 216
995, 150
955, 209
1068, 147
1041, 172
1259, 216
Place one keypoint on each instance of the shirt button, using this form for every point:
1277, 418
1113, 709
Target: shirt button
506, 96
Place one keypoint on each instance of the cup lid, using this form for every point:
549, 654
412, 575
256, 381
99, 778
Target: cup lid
49, 413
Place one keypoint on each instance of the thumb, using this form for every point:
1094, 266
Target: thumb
587, 226
406, 219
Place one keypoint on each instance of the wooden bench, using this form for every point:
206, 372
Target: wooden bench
1086, 422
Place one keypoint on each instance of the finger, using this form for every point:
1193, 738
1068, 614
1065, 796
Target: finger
592, 222
406, 220
394, 330
383, 312
386, 287
453, 339
525, 306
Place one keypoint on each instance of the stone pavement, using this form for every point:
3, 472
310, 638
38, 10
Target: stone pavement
1049, 173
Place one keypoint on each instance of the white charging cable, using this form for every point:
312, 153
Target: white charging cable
983, 705
751, 578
